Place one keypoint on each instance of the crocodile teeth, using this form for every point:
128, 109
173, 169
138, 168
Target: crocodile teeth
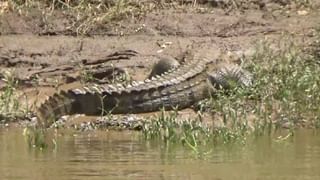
129, 86
147, 80
153, 78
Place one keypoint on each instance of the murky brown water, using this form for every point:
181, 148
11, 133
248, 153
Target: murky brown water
123, 155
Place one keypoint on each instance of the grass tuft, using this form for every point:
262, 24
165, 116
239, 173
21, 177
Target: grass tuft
193, 134
285, 95
10, 106
82, 16
35, 137
285, 92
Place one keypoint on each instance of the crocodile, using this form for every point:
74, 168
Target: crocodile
179, 87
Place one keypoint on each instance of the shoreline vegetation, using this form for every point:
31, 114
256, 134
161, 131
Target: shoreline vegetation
285, 94
90, 17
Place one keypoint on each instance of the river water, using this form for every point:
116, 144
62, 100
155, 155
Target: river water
125, 155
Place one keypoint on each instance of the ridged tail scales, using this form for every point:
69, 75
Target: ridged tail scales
59, 104
94, 99
68, 103
145, 96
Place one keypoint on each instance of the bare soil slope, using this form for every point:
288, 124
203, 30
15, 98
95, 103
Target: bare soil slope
48, 53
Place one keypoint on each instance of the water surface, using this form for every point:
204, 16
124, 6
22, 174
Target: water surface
125, 155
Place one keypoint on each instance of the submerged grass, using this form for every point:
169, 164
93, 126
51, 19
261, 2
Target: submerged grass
35, 137
39, 138
167, 129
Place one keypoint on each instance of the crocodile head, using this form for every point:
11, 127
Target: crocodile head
227, 76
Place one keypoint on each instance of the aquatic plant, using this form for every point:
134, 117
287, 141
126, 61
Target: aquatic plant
166, 128
35, 137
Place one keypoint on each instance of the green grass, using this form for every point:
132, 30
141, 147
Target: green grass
36, 137
85, 16
285, 93
40, 139
287, 83
82, 15
285, 96
10, 106
166, 129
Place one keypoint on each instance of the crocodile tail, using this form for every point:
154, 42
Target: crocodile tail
229, 76
60, 104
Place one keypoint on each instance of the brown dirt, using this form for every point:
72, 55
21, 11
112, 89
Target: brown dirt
47, 56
